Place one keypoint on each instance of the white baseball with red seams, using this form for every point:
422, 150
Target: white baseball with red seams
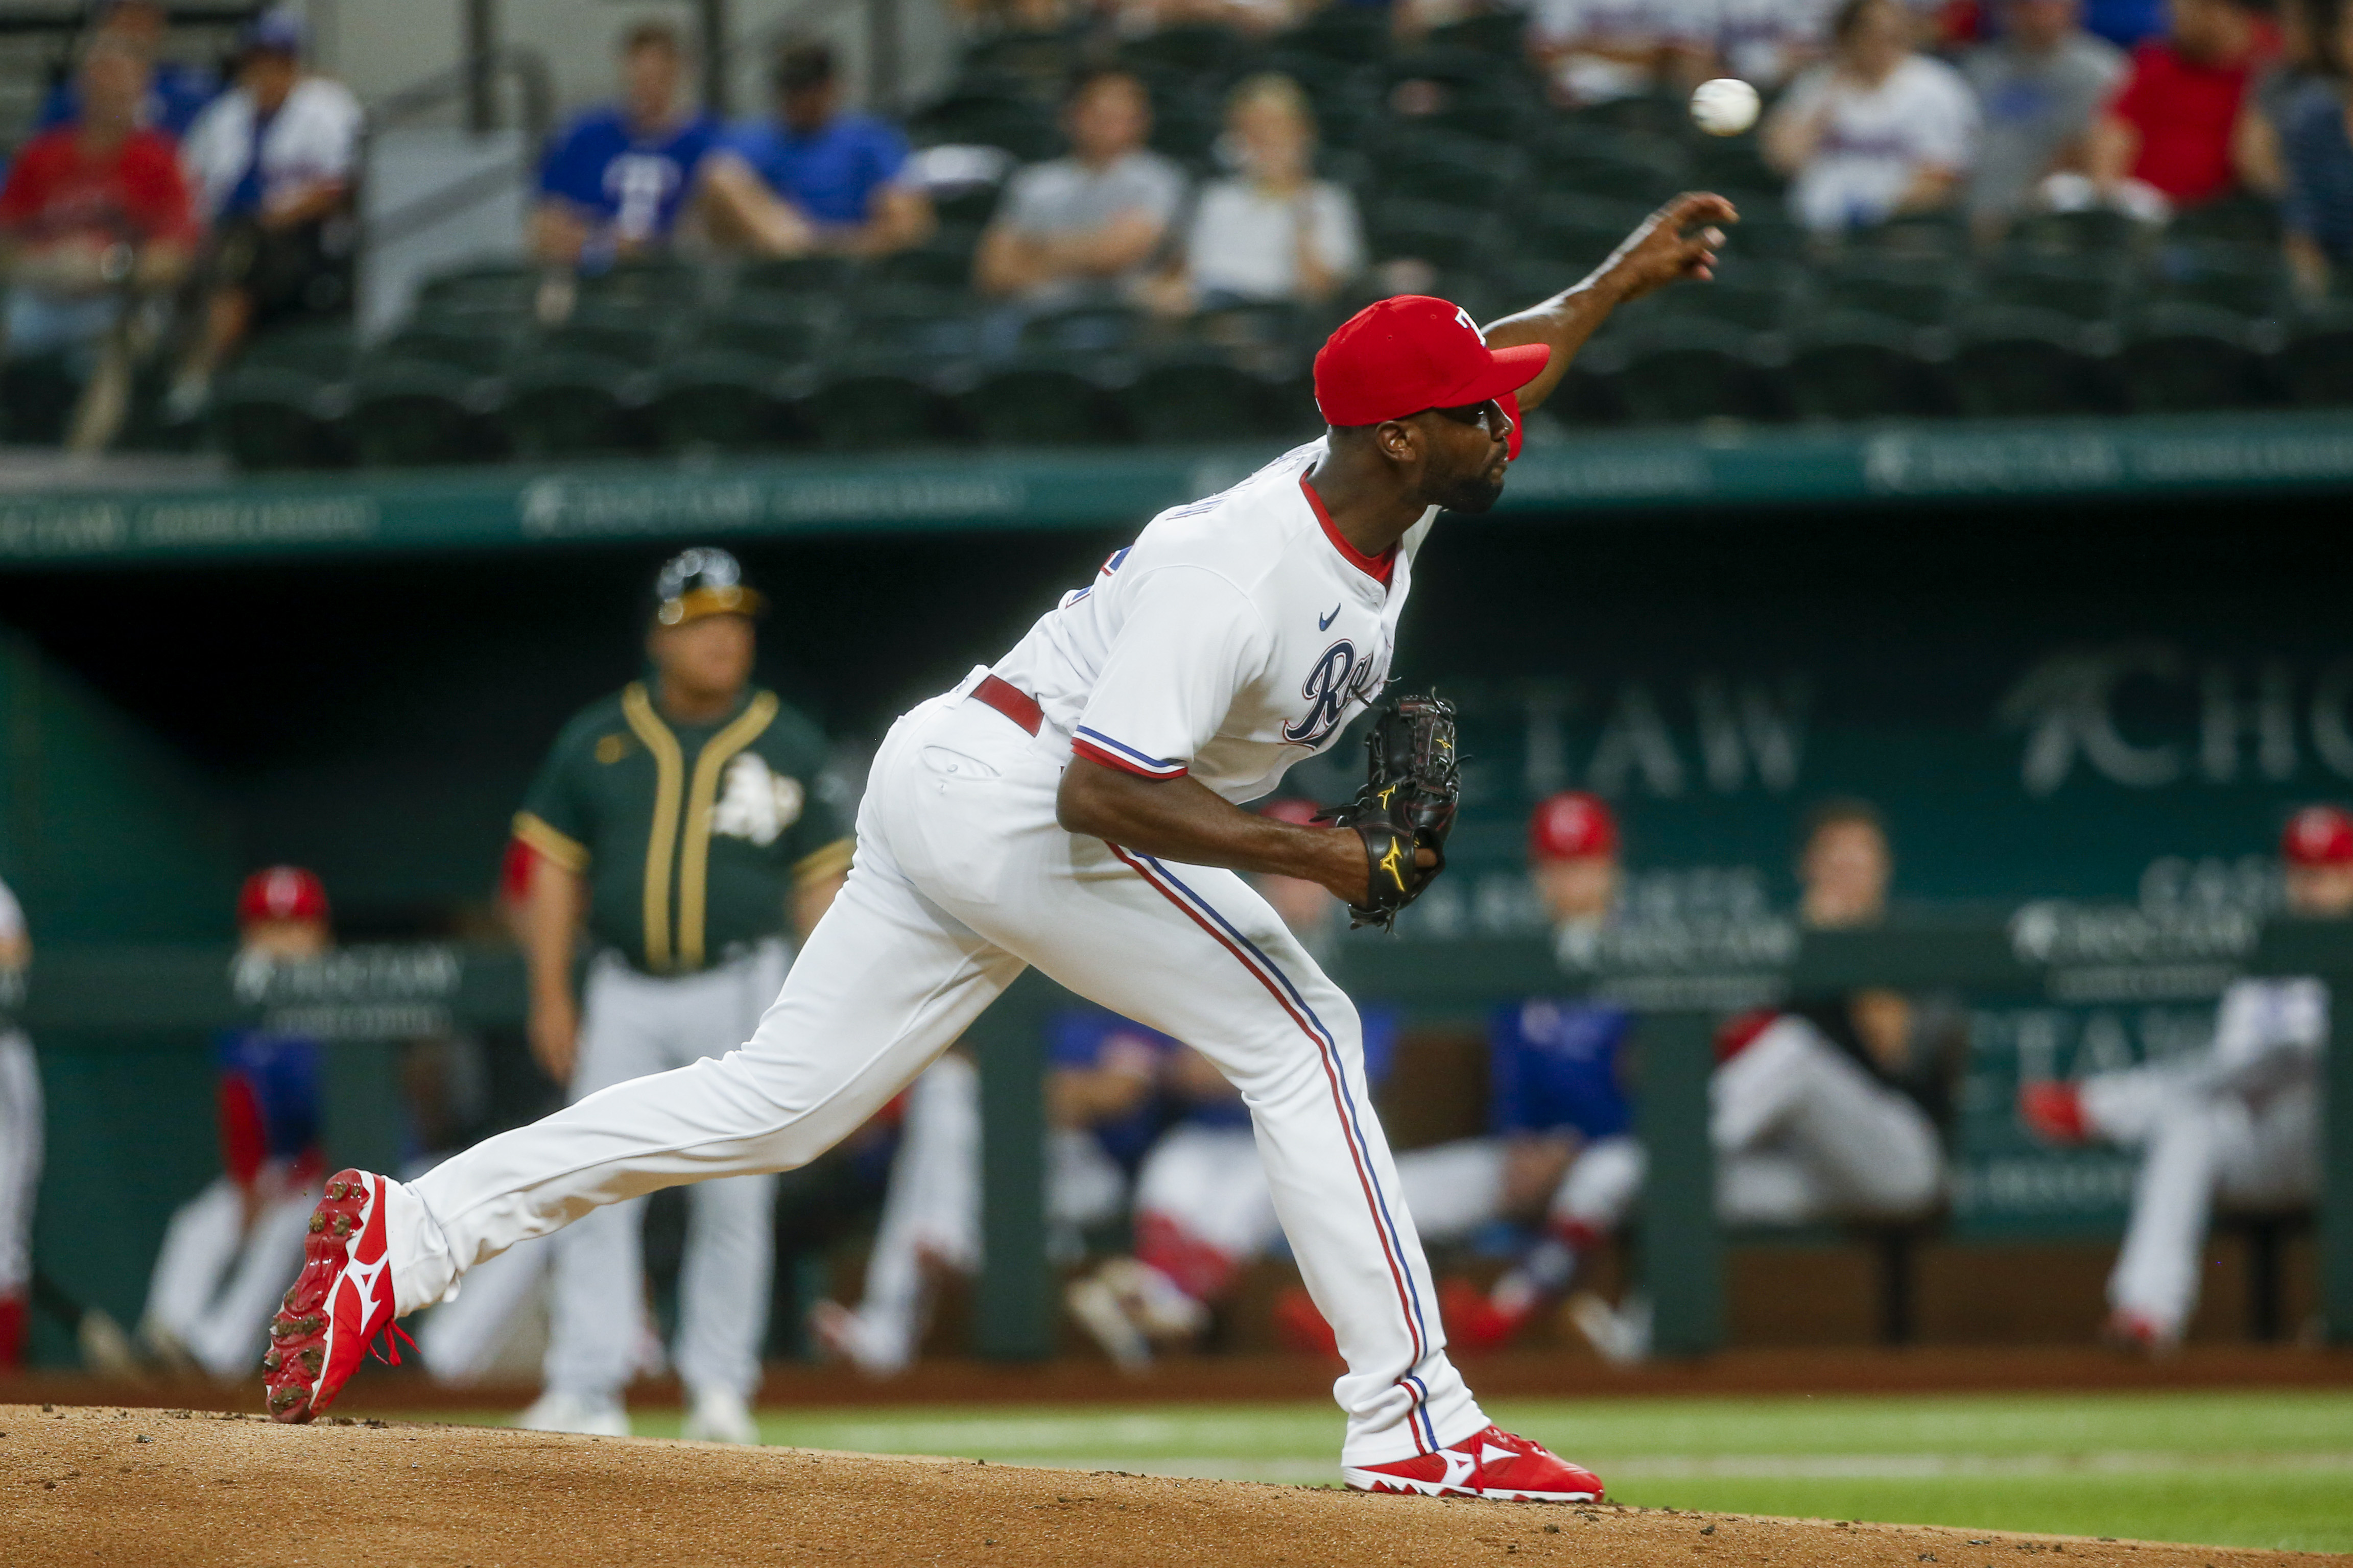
1236, 636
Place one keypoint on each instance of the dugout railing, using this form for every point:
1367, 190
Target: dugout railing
2044, 989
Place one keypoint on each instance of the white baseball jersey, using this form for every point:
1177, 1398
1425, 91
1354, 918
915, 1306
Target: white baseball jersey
1235, 635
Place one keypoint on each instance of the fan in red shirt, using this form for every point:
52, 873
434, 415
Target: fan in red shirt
91, 214
2169, 128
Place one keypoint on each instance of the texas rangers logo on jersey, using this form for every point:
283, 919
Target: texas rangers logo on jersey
1338, 678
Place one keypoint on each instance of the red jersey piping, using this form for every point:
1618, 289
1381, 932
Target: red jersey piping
1377, 567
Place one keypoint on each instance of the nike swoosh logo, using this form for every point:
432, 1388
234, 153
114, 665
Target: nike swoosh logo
1323, 623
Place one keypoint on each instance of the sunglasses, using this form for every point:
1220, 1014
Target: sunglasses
1488, 417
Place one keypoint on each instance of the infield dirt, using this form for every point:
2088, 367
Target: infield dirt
111, 1485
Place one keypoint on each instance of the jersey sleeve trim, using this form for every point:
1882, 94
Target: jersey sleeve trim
561, 847
822, 864
1098, 747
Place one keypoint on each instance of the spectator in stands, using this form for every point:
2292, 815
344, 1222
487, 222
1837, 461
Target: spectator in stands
1087, 226
1878, 131
94, 217
616, 179
814, 179
2237, 1123
228, 1252
2315, 138
1767, 42
2167, 140
1844, 866
2308, 54
1274, 231
1592, 51
2040, 84
21, 1128
274, 160
175, 93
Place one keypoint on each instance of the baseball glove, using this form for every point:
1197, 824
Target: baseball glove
1411, 788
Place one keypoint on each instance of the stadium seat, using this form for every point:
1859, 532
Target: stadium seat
2012, 361
1417, 165
1599, 160
2094, 231
866, 401
1732, 163
1083, 329
1346, 97
784, 330
725, 400
2314, 365
1040, 60
325, 350
1185, 125
2183, 359
1757, 295
655, 283
1915, 234
270, 417
1197, 393
508, 286
1464, 92
571, 402
826, 276
1574, 229
1498, 34
1451, 238
1354, 35
1653, 114
2247, 280
2085, 288
942, 261
408, 412
2235, 219
1679, 370
934, 324
1198, 50
1924, 290
1044, 400
1589, 395
632, 335
476, 342
1851, 366
989, 110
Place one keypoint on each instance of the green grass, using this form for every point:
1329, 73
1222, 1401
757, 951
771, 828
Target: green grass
2226, 1469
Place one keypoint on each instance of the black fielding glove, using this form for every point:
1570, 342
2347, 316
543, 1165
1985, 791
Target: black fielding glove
1411, 789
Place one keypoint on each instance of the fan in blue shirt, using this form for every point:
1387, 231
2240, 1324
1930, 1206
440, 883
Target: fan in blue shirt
813, 179
614, 181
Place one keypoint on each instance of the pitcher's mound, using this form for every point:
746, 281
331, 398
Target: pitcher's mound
147, 1487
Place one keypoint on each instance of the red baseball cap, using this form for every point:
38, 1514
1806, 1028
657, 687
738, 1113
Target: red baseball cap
282, 893
2318, 835
1401, 356
1572, 826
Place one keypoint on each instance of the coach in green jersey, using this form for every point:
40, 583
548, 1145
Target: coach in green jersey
678, 822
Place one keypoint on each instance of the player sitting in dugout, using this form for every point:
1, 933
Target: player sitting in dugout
2237, 1124
229, 1251
1824, 1110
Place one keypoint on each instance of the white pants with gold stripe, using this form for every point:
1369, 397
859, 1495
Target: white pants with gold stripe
963, 878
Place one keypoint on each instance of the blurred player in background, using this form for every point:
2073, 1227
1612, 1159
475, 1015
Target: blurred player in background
21, 1132
679, 823
1203, 1207
2237, 1123
1098, 1086
225, 1253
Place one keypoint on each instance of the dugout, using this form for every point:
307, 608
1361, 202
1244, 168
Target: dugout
2097, 667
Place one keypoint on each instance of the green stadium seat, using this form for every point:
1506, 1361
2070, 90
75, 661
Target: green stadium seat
2185, 359
1589, 395
2094, 231
1195, 49
1653, 114
632, 335
1084, 329
2246, 280
990, 112
268, 417
2015, 362
1924, 290
726, 400
1678, 371
470, 341
1597, 161
925, 323
1185, 126
1415, 165
1038, 59
571, 402
324, 349
2235, 219
1757, 295
1044, 400
2314, 365
2087, 288
656, 283
1576, 230
406, 413
1915, 234
1351, 34
1729, 163
1498, 34
1197, 393
866, 401
942, 261
509, 286
1346, 97
1453, 238
824, 275
1848, 365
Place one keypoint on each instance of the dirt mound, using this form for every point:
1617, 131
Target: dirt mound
143, 1486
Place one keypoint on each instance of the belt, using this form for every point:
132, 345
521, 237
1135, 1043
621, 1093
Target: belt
1010, 701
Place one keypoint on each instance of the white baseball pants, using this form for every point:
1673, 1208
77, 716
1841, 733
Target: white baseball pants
21, 1126
962, 879
632, 1024
2201, 1145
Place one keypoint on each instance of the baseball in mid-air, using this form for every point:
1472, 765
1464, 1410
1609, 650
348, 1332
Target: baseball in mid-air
1723, 107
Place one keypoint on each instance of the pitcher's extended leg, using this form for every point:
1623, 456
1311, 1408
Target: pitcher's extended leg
885, 983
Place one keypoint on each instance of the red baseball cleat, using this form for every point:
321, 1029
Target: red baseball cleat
338, 1303
2053, 1110
1490, 1464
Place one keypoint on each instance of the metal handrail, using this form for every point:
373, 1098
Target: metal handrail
470, 81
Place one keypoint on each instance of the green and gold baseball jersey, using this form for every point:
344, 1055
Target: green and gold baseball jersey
691, 836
